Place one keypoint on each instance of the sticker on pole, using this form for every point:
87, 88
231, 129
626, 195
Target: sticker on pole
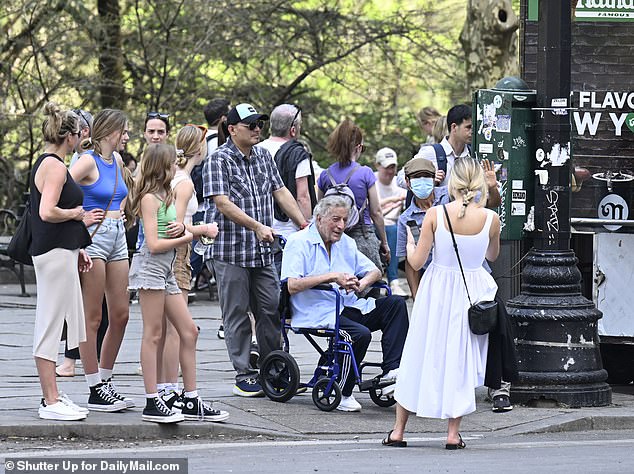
613, 207
518, 209
518, 195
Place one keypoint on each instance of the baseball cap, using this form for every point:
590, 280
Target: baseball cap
244, 113
386, 157
417, 166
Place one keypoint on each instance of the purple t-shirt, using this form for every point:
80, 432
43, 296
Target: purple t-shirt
361, 180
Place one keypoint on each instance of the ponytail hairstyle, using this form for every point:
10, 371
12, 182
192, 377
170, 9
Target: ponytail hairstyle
465, 181
343, 140
106, 121
58, 123
189, 142
156, 174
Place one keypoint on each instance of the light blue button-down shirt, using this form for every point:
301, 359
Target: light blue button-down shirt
305, 255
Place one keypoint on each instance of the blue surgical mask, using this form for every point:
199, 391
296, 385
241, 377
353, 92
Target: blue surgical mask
422, 187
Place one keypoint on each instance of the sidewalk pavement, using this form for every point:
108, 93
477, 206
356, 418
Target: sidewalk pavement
298, 418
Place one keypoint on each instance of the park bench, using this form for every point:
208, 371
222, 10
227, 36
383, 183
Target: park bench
8, 223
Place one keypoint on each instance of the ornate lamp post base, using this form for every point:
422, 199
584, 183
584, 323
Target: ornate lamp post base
557, 335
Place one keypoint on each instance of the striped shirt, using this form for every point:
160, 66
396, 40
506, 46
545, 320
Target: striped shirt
249, 183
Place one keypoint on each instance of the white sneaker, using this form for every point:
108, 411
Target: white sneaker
65, 399
59, 411
397, 290
349, 404
390, 376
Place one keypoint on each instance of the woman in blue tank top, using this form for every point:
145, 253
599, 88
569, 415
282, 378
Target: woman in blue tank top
98, 171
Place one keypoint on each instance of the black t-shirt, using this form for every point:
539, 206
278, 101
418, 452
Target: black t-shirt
46, 236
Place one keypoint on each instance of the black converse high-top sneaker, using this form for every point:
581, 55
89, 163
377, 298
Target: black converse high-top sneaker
194, 409
102, 400
156, 411
129, 403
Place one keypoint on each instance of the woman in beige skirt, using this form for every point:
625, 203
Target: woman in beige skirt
58, 239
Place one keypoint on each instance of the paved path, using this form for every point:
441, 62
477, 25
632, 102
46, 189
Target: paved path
298, 418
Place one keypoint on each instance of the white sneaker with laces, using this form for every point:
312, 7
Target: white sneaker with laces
349, 404
59, 411
65, 399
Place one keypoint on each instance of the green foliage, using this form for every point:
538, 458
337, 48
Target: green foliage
376, 62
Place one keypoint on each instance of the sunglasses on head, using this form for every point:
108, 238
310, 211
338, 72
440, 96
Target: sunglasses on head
299, 111
158, 115
80, 114
202, 128
253, 125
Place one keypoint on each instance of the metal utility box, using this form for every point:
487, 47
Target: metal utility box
503, 132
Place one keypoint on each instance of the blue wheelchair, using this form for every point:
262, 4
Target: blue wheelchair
280, 375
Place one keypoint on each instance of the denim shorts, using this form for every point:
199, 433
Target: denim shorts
109, 243
153, 271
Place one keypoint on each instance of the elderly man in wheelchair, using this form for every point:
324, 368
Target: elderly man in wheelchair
324, 254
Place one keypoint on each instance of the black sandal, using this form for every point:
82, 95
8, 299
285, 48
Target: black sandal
460, 445
393, 442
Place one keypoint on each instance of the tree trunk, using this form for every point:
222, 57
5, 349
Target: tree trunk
110, 55
489, 41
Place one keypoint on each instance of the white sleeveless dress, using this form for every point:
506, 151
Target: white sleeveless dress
443, 361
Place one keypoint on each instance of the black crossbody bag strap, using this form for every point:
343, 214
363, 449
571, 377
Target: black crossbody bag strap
455, 246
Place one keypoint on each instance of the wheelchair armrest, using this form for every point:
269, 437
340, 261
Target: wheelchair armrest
322, 286
382, 284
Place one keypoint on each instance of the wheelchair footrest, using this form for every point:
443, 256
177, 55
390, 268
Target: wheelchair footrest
374, 383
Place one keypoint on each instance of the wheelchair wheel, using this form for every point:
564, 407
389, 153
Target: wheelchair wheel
326, 401
383, 401
279, 376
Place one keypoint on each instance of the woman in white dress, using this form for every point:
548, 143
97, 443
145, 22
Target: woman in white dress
443, 361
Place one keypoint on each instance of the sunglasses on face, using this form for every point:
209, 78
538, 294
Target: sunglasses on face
253, 125
362, 147
202, 128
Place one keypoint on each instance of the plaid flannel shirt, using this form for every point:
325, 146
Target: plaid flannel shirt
249, 183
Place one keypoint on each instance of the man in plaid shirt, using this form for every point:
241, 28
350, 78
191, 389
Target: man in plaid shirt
240, 181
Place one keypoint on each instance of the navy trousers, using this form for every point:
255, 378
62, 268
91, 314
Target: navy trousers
390, 317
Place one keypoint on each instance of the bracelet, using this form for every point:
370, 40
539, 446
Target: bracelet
304, 225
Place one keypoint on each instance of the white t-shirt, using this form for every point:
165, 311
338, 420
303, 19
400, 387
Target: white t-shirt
303, 169
272, 145
387, 191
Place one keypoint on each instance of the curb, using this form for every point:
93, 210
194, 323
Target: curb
183, 431
15, 305
590, 423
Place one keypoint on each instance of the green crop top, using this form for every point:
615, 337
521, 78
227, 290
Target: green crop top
164, 216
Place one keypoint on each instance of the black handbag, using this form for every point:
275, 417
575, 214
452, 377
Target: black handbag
483, 316
18, 248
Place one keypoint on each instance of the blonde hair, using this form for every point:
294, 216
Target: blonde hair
58, 123
427, 114
106, 122
155, 176
189, 142
466, 180
440, 129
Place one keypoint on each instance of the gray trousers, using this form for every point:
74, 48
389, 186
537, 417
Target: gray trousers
239, 289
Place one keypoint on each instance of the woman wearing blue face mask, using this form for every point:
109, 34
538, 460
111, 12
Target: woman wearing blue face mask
419, 178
